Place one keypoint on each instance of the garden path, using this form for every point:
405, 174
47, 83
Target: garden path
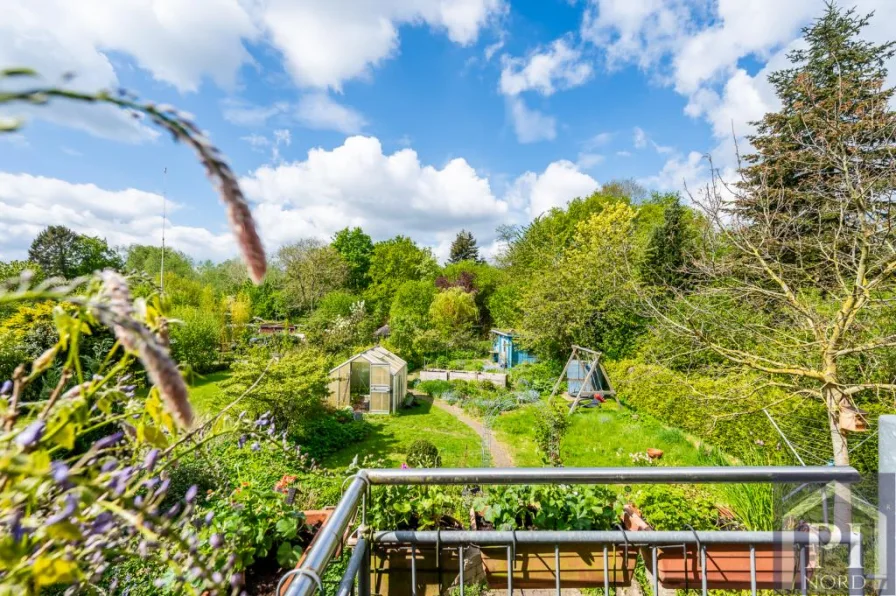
499, 453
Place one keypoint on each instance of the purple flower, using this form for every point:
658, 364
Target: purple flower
236, 580
241, 441
216, 541
209, 517
150, 462
6, 387
191, 494
163, 488
32, 434
15, 526
109, 465
106, 442
175, 509
217, 577
60, 471
256, 446
71, 502
404, 466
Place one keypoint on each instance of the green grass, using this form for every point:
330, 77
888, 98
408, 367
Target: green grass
205, 389
392, 434
602, 437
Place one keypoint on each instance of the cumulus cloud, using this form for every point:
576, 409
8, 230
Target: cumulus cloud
353, 184
324, 43
327, 42
559, 66
557, 185
30, 203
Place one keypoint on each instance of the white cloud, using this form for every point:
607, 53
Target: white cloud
624, 153
639, 138
586, 161
598, 140
316, 110
319, 111
30, 203
327, 42
531, 125
679, 172
546, 70
243, 113
323, 42
561, 182
256, 141
697, 48
177, 42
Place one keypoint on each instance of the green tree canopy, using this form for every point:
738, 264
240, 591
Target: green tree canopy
356, 248
147, 259
62, 252
394, 262
311, 270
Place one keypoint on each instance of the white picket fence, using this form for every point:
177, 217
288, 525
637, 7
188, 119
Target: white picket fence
499, 379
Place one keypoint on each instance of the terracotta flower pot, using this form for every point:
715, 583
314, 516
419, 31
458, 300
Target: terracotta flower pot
728, 567
581, 566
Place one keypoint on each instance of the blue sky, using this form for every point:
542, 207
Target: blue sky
415, 117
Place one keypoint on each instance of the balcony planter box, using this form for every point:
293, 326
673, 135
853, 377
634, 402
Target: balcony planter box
535, 565
581, 566
728, 567
436, 572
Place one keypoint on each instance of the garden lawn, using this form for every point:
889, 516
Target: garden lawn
391, 435
598, 437
204, 390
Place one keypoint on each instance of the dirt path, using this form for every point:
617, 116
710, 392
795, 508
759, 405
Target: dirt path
500, 456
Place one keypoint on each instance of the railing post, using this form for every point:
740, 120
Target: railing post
364, 573
856, 571
886, 491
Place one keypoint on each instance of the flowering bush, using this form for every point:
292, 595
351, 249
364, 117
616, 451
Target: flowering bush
85, 465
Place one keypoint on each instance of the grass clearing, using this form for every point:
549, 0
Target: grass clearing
205, 388
391, 436
602, 437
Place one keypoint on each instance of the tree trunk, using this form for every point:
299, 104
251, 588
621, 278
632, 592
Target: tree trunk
834, 399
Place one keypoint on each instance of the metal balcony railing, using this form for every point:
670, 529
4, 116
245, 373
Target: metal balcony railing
351, 513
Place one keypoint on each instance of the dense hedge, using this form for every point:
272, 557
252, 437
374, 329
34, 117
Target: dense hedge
702, 406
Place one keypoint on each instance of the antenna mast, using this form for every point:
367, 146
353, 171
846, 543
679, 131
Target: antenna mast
164, 214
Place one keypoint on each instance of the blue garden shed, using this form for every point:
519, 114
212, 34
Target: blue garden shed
505, 352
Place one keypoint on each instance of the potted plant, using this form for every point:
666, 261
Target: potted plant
727, 566
553, 508
417, 508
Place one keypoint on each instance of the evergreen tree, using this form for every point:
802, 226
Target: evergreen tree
832, 99
666, 255
464, 248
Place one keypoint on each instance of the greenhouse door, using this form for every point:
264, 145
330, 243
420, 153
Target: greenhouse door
380, 389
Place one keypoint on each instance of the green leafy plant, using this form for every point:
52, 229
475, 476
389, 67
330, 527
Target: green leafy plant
423, 454
550, 507
253, 522
550, 426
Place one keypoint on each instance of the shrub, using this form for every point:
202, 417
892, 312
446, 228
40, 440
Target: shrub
195, 341
291, 386
434, 388
540, 376
328, 433
423, 454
